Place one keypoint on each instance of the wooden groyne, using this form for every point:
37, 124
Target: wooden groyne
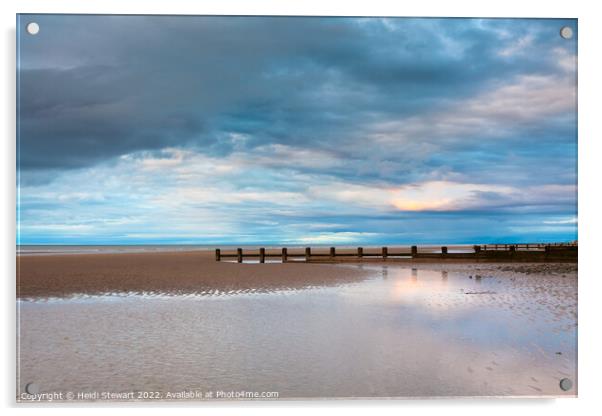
537, 252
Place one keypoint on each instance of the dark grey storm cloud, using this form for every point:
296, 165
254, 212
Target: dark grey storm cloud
150, 129
96, 87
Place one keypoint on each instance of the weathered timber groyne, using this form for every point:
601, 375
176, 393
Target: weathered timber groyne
537, 252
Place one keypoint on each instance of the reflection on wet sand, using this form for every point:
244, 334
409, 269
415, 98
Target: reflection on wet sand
400, 332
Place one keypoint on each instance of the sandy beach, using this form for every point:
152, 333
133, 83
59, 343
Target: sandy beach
180, 321
197, 271
173, 272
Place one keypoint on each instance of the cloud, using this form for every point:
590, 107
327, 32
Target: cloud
268, 128
201, 81
520, 46
188, 197
562, 221
333, 238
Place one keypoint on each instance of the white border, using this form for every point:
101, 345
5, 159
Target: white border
590, 70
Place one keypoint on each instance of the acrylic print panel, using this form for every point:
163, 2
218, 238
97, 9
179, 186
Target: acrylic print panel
272, 208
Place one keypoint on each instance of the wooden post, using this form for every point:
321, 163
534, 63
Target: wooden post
477, 249
262, 255
239, 255
443, 251
307, 253
360, 252
332, 253
218, 254
414, 251
284, 254
385, 252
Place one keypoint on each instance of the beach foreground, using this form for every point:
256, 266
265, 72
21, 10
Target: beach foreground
197, 271
173, 272
172, 326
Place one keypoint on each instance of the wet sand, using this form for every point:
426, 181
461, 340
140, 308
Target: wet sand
390, 330
197, 272
165, 272
180, 321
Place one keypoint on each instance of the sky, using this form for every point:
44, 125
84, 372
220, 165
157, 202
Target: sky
290, 130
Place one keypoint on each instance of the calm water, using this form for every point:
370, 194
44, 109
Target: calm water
109, 249
38, 250
402, 332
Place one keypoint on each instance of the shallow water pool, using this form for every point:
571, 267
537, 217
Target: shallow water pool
402, 332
